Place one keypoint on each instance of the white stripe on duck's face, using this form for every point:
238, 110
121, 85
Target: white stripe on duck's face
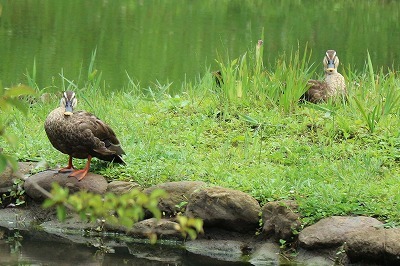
69, 102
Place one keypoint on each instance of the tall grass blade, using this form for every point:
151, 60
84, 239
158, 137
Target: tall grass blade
371, 71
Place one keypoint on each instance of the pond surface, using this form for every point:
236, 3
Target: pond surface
38, 248
172, 41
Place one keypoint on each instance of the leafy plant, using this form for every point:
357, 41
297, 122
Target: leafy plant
189, 226
9, 99
15, 195
121, 210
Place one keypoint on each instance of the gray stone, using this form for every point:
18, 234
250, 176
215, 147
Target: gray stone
121, 187
265, 254
374, 245
92, 183
178, 193
78, 231
71, 228
334, 231
320, 257
16, 218
281, 219
225, 208
225, 250
8, 176
162, 228
155, 254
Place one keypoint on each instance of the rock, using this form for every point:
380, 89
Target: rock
178, 193
334, 231
71, 228
374, 245
26, 217
17, 218
8, 176
75, 230
121, 187
266, 254
225, 250
224, 208
162, 227
392, 246
153, 254
92, 183
320, 257
281, 219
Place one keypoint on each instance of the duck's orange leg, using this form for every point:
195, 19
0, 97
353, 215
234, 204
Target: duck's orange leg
69, 167
80, 174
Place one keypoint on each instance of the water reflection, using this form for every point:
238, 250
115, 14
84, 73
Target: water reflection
40, 248
176, 40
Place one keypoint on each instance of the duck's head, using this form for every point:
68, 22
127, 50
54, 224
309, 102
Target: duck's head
331, 62
68, 101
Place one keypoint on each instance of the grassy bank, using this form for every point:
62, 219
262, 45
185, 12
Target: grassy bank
251, 134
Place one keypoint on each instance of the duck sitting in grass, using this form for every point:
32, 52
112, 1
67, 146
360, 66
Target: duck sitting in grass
333, 86
81, 135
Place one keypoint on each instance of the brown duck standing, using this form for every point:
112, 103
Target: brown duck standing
332, 86
81, 135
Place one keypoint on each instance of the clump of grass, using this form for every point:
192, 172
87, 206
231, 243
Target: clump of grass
379, 97
245, 81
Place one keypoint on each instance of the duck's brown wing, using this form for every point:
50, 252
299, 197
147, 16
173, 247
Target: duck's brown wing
317, 91
109, 148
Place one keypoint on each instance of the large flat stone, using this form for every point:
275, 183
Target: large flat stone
225, 208
374, 245
334, 231
178, 193
91, 183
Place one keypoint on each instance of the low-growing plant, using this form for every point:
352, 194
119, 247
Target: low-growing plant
15, 195
120, 210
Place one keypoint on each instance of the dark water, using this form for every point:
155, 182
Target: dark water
155, 40
39, 248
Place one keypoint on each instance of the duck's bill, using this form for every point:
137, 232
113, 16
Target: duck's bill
68, 108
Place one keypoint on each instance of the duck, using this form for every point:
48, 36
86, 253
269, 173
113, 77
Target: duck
81, 135
333, 86
218, 78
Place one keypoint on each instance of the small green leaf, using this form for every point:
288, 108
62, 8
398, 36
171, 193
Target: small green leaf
153, 238
61, 212
158, 193
48, 203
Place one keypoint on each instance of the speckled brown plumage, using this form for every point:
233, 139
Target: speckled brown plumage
81, 134
333, 84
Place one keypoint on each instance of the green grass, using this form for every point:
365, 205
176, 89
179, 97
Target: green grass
334, 158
